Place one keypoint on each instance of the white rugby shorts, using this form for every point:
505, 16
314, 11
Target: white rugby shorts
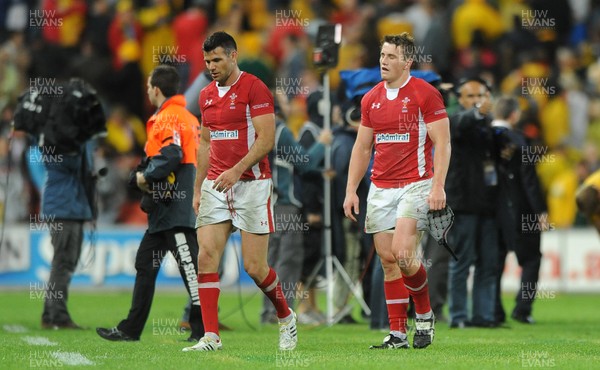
248, 205
386, 205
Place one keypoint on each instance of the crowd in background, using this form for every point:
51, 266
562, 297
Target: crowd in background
546, 53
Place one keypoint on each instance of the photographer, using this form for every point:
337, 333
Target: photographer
472, 188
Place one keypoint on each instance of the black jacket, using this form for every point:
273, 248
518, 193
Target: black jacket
472, 147
520, 198
312, 181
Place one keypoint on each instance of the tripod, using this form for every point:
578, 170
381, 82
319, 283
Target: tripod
332, 262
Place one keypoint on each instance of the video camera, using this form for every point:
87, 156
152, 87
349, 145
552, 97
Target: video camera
325, 54
65, 121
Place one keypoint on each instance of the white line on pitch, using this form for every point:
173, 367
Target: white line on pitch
72, 358
14, 328
38, 341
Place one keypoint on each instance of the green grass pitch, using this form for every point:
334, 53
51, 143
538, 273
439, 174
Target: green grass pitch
564, 337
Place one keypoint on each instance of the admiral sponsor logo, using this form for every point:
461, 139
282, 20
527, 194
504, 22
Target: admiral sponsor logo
224, 135
392, 138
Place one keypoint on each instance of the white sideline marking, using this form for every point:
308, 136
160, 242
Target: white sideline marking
14, 328
72, 358
39, 341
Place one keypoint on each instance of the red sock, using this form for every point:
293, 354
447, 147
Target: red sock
272, 289
208, 290
418, 290
396, 299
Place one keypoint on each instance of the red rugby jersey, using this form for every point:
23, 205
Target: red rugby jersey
227, 113
399, 122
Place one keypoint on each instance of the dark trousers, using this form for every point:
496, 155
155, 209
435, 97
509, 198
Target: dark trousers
66, 237
475, 241
182, 243
286, 256
529, 256
379, 314
313, 242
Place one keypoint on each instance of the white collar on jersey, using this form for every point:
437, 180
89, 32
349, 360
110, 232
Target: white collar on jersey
224, 89
392, 94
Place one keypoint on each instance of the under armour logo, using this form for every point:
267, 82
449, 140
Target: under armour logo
375, 105
207, 102
263, 223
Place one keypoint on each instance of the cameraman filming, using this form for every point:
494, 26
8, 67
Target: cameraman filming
65, 207
65, 125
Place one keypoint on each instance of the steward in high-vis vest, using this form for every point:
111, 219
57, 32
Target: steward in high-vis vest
170, 167
166, 177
